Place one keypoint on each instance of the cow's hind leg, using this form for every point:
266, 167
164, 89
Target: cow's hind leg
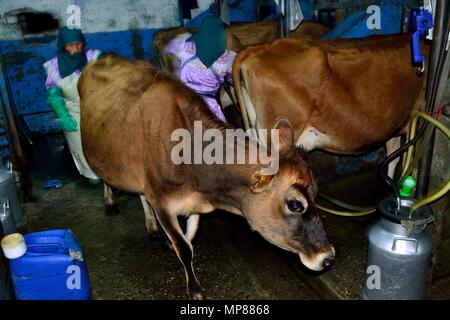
183, 248
110, 207
392, 145
150, 219
192, 226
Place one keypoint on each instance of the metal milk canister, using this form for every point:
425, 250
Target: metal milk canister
8, 192
399, 252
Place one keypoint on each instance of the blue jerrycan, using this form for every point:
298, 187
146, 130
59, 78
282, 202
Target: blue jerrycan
53, 268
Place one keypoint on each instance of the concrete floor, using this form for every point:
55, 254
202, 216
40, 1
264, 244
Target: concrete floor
231, 262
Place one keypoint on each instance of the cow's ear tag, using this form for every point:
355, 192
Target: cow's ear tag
285, 135
259, 182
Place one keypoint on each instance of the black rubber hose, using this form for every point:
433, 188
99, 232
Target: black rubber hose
392, 156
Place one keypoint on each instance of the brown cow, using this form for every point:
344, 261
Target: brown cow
309, 30
129, 111
345, 96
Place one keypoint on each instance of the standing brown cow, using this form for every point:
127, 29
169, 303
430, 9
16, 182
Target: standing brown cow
344, 96
129, 113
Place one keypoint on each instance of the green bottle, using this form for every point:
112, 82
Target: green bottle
407, 187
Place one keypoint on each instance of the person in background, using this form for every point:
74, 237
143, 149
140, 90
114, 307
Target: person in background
205, 63
63, 72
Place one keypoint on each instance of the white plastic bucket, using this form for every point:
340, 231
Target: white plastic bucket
13, 246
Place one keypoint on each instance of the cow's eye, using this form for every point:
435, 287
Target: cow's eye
295, 206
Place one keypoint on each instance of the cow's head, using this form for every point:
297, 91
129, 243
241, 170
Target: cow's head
281, 207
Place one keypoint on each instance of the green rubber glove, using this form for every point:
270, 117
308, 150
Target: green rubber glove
56, 100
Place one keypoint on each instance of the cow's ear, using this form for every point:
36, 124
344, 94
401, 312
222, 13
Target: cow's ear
259, 181
285, 134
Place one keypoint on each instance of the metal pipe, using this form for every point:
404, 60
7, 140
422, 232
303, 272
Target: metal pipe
287, 14
441, 29
281, 19
180, 13
435, 75
217, 5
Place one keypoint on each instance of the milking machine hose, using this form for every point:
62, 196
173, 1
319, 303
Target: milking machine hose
446, 187
446, 131
345, 213
366, 211
414, 138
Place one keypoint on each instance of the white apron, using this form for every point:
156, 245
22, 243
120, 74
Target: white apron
69, 87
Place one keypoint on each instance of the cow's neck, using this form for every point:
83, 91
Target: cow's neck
226, 185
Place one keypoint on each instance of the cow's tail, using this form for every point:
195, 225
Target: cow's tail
239, 86
157, 48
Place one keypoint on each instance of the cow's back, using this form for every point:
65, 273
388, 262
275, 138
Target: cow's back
111, 123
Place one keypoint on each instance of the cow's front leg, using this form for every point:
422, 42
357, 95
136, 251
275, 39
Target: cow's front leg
110, 207
183, 248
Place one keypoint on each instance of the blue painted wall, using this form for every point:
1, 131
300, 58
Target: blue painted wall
26, 75
244, 11
240, 11
355, 24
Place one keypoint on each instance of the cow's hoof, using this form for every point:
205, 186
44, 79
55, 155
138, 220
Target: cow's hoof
111, 209
196, 296
195, 292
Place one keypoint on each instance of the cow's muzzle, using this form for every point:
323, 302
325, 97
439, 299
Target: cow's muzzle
319, 261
